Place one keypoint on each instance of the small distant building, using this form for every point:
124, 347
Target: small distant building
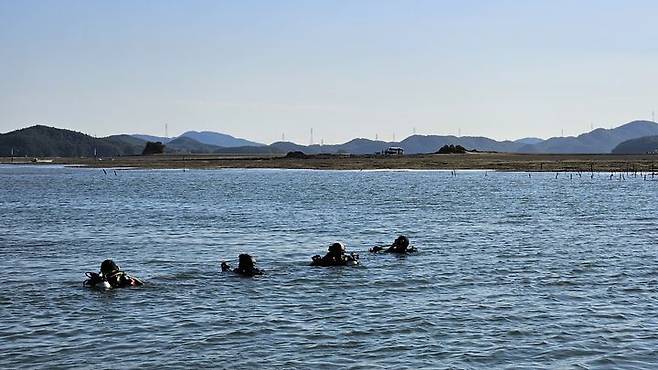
394, 150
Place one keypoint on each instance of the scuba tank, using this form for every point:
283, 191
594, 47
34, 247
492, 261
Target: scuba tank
95, 280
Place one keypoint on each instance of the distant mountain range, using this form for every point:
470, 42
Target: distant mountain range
153, 138
44, 141
220, 140
529, 140
596, 141
204, 137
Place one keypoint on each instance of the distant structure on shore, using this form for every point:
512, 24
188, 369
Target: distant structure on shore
394, 150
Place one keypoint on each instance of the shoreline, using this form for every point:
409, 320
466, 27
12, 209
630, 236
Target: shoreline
480, 161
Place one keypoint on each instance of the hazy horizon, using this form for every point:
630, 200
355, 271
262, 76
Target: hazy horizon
257, 70
316, 142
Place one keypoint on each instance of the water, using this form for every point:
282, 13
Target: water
513, 272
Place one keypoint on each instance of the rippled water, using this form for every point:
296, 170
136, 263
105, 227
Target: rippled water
513, 271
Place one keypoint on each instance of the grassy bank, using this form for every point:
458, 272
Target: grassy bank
492, 161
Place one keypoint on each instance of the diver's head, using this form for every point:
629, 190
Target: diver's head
337, 248
402, 242
245, 262
108, 267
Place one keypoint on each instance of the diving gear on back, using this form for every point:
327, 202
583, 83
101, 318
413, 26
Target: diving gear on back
400, 246
336, 256
246, 266
110, 276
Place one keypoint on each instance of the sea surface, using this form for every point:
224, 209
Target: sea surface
513, 271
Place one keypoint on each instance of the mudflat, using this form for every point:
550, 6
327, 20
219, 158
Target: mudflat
491, 161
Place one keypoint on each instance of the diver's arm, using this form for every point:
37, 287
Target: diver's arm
92, 279
316, 260
125, 280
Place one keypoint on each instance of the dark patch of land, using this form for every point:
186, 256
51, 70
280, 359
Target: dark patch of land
490, 161
646, 144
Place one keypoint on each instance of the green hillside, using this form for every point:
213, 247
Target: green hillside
643, 145
44, 141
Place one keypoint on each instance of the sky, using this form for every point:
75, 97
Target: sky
267, 70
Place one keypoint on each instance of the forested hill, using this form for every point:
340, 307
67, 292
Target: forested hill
643, 145
44, 141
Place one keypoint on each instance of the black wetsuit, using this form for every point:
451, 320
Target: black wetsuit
244, 271
248, 272
333, 259
116, 279
120, 279
393, 249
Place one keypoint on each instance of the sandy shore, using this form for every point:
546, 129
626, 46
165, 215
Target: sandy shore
491, 161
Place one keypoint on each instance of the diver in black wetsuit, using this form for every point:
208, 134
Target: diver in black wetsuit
111, 276
399, 246
336, 256
246, 266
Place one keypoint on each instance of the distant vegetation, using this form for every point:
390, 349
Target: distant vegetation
296, 155
153, 147
452, 149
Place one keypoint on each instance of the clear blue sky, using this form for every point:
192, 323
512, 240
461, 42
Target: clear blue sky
257, 69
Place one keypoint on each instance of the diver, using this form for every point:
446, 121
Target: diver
399, 246
110, 276
246, 266
336, 256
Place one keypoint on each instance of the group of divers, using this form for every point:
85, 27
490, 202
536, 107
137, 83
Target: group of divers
111, 276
